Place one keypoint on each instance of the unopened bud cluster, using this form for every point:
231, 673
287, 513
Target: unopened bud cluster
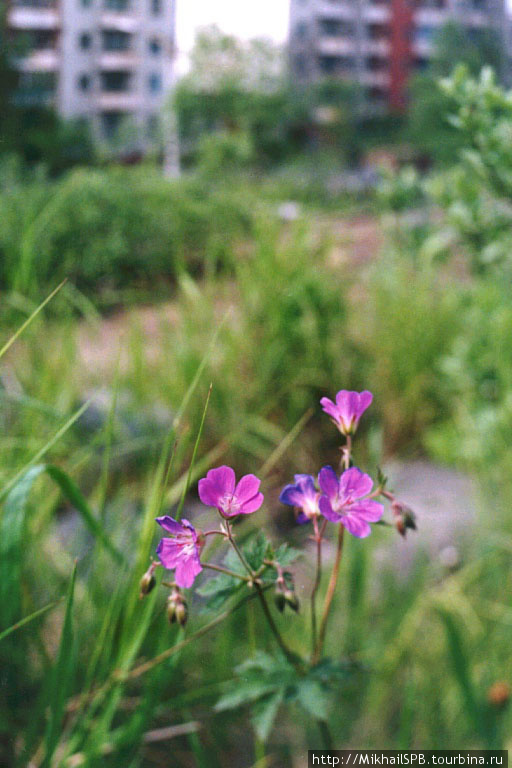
177, 610
404, 517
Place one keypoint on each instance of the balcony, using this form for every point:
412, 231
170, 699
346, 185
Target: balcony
336, 46
121, 21
45, 60
118, 101
376, 14
33, 17
114, 60
338, 10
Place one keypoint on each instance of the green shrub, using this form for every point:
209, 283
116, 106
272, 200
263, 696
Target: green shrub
113, 228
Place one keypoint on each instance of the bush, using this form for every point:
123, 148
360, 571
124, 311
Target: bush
112, 228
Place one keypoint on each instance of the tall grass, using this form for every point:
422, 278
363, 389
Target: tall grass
77, 648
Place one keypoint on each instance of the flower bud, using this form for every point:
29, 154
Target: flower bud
404, 517
498, 695
292, 600
171, 610
181, 613
147, 583
279, 600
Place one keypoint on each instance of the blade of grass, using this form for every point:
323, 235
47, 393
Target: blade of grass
75, 497
39, 455
32, 317
62, 677
285, 443
28, 619
193, 459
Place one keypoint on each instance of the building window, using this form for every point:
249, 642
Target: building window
155, 46
110, 123
115, 81
156, 7
85, 41
155, 83
117, 5
335, 28
115, 40
86, 3
331, 65
84, 82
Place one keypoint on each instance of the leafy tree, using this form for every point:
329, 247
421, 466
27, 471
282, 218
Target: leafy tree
428, 127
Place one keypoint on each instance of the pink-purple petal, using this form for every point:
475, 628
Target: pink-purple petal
327, 511
328, 482
329, 407
219, 482
169, 553
368, 510
169, 524
248, 486
291, 495
186, 571
251, 505
365, 400
356, 526
354, 484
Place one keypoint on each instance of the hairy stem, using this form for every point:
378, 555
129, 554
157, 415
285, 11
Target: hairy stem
318, 574
292, 658
259, 591
329, 596
345, 461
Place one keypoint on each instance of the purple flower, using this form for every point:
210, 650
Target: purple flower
180, 551
217, 489
302, 495
348, 409
342, 500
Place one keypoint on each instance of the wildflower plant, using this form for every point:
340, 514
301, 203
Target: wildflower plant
331, 503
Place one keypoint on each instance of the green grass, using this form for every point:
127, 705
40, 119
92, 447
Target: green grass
118, 433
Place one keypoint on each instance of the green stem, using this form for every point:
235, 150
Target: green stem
259, 591
325, 733
318, 574
221, 569
239, 552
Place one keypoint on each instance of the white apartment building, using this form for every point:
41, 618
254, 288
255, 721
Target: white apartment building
102, 60
380, 43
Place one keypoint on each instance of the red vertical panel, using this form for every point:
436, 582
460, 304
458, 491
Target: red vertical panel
402, 19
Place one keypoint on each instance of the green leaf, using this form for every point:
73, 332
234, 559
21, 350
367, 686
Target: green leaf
265, 712
313, 698
460, 665
241, 693
286, 555
219, 590
12, 524
61, 677
255, 550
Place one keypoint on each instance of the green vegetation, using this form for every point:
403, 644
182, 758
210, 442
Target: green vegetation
100, 413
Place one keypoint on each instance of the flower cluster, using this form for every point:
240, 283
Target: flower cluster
348, 499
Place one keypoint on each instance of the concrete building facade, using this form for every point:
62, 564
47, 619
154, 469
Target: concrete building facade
103, 60
380, 43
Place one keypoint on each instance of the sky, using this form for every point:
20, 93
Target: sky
245, 19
